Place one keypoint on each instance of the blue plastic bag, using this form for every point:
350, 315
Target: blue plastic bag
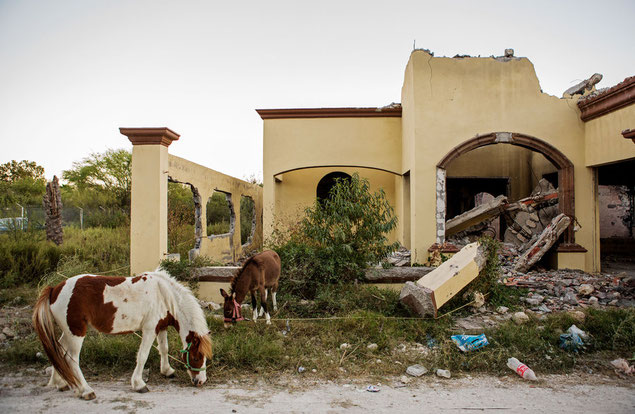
574, 339
470, 342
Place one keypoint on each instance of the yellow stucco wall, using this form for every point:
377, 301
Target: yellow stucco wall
456, 99
297, 191
604, 142
224, 248
300, 143
447, 101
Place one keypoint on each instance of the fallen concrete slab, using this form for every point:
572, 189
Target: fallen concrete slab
476, 215
544, 242
396, 274
429, 293
215, 273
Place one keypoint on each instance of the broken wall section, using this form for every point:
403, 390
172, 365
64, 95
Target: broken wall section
225, 247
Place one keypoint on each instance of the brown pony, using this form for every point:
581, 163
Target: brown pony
260, 272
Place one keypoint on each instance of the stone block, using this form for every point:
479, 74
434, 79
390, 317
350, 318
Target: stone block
433, 290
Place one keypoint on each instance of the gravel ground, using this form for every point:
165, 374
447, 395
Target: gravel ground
23, 392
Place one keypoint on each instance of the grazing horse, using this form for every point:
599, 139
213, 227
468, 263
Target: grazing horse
116, 305
260, 272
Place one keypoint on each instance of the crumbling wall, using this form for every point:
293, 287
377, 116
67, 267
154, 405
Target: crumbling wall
616, 211
204, 181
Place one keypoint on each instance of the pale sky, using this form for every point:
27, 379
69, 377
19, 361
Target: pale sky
73, 72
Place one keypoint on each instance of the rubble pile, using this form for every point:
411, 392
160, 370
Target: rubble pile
399, 258
563, 290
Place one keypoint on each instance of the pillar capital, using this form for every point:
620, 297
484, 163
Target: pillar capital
150, 136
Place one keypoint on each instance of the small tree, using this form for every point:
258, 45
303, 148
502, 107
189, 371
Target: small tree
352, 222
338, 238
21, 182
104, 178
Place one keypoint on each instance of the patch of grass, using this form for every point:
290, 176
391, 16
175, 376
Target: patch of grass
343, 299
18, 296
372, 316
25, 257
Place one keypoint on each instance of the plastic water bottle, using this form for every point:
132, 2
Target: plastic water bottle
521, 369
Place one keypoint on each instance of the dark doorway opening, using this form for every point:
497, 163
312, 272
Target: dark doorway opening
461, 192
327, 182
616, 199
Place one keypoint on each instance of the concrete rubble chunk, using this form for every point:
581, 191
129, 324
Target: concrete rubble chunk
585, 289
476, 215
546, 239
433, 290
520, 318
502, 309
399, 258
583, 87
416, 370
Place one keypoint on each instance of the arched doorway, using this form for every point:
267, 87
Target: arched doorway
563, 164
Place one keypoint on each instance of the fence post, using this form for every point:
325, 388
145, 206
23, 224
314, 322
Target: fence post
149, 196
81, 218
21, 216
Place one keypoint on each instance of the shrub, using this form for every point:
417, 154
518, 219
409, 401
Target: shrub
25, 257
338, 237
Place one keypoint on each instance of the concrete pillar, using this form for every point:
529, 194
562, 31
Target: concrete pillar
149, 198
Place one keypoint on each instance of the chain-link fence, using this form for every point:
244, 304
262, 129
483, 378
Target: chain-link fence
19, 217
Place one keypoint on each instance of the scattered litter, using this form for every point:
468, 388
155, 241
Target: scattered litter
371, 347
314, 370
470, 342
345, 346
372, 388
416, 370
404, 379
574, 339
622, 367
301, 369
521, 369
287, 329
443, 373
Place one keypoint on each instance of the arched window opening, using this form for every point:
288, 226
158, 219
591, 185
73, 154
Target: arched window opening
327, 182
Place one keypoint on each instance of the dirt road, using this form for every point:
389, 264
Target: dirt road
24, 393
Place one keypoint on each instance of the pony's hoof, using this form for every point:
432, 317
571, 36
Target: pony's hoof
64, 388
89, 396
170, 375
143, 390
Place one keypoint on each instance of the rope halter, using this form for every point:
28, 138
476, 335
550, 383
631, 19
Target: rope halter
186, 351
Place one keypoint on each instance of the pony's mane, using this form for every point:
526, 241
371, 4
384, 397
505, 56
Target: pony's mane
234, 279
183, 302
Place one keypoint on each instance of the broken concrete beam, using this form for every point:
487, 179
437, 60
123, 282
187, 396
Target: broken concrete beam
429, 293
396, 274
215, 273
546, 239
476, 215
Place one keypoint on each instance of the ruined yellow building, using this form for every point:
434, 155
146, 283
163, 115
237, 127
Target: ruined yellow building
464, 125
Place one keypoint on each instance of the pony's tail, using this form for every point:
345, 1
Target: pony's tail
43, 322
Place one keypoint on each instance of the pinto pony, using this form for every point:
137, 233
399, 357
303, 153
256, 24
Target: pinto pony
259, 273
116, 305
